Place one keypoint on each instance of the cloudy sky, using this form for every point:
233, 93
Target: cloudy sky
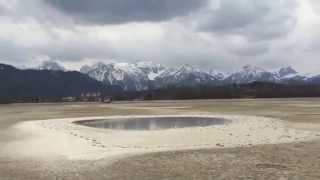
222, 34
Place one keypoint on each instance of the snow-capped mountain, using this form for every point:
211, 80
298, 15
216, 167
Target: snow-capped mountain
51, 65
150, 69
290, 75
144, 75
287, 72
186, 76
116, 79
250, 74
217, 74
128, 76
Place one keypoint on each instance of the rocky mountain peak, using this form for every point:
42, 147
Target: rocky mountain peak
287, 71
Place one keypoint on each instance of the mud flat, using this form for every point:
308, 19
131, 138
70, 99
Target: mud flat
66, 138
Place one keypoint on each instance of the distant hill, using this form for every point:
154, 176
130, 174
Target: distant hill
16, 83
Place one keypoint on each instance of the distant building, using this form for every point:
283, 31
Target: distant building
107, 100
84, 97
69, 99
35, 100
94, 97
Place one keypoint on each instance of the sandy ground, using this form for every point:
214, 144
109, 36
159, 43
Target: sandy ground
64, 138
257, 145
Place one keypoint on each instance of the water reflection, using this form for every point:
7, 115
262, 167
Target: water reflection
157, 123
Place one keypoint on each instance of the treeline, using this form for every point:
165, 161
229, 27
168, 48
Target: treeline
252, 90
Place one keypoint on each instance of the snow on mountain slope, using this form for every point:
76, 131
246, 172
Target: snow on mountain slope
250, 74
217, 74
96, 71
289, 75
143, 75
185, 76
287, 72
128, 76
152, 70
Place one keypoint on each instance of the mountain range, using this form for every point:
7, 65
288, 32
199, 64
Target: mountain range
145, 75
147, 80
142, 76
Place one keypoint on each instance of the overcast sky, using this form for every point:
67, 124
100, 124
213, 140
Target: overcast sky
222, 34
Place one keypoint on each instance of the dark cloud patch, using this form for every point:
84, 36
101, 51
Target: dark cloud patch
124, 11
257, 20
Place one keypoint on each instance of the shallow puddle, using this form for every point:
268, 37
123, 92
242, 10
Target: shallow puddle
157, 123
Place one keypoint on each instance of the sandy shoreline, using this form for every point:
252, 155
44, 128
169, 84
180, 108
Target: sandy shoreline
60, 138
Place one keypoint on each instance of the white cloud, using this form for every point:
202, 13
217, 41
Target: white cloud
225, 35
